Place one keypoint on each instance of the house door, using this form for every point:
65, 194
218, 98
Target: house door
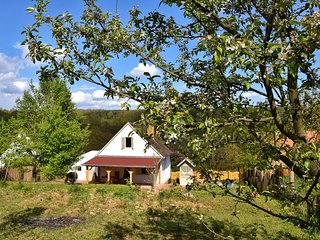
186, 172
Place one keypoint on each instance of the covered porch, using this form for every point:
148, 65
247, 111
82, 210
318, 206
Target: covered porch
122, 170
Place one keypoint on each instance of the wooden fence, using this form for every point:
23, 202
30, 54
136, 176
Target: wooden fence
14, 174
223, 175
262, 180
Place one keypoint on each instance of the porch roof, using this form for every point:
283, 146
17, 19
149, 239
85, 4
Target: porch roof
115, 161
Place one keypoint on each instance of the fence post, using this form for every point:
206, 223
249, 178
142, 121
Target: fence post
291, 178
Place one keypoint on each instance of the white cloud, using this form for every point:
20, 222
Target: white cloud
24, 49
25, 59
22, 85
255, 97
141, 69
7, 75
85, 87
12, 84
97, 100
98, 94
81, 97
250, 94
9, 65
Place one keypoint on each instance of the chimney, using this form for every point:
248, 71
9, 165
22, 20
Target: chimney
151, 130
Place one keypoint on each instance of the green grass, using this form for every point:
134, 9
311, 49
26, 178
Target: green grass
124, 212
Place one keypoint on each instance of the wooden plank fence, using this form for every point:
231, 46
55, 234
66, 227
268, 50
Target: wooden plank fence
15, 174
224, 175
262, 180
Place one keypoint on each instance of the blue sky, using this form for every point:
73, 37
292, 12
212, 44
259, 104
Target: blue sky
16, 71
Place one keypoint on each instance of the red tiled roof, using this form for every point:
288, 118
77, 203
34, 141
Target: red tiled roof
123, 161
311, 136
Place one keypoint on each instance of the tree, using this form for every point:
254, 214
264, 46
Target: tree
227, 50
47, 131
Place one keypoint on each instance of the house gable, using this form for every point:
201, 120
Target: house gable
128, 143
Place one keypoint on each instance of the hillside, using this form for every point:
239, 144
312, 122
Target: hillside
7, 114
103, 124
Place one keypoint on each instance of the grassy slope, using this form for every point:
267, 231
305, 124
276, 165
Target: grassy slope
118, 212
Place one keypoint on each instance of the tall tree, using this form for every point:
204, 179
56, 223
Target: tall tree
226, 51
47, 129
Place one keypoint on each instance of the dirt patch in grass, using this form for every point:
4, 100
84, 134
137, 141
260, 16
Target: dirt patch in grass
52, 223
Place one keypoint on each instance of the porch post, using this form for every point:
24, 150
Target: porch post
130, 180
87, 174
108, 176
154, 178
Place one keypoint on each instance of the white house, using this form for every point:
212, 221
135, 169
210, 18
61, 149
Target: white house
128, 156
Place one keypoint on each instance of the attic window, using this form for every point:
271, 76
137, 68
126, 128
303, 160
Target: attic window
128, 142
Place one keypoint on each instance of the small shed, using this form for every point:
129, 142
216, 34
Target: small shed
186, 172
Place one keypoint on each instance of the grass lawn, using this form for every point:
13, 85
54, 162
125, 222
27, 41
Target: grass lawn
121, 212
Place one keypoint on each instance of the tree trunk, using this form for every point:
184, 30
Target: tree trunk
34, 173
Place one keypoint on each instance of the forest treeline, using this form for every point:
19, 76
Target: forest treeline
103, 124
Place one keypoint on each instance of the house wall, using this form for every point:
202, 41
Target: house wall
142, 179
114, 147
165, 170
82, 173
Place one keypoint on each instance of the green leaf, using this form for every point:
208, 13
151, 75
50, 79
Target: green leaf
216, 57
30, 9
307, 165
247, 85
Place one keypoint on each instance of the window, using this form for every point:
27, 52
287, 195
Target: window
128, 142
79, 168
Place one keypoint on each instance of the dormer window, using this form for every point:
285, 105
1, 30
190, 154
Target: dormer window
127, 142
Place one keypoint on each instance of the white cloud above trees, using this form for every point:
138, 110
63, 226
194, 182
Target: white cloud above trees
139, 70
12, 85
97, 100
85, 96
